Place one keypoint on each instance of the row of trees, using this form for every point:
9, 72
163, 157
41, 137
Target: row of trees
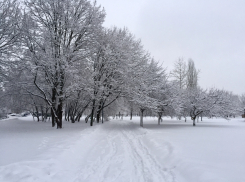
56, 55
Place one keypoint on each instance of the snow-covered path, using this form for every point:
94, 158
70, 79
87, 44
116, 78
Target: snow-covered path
114, 151
118, 154
121, 151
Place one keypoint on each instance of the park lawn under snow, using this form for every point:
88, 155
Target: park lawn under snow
122, 151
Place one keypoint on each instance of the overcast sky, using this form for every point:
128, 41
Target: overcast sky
210, 32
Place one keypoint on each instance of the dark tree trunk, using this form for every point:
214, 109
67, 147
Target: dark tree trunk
60, 104
98, 113
59, 115
92, 114
53, 107
78, 117
53, 118
98, 116
102, 113
46, 113
37, 113
141, 116
194, 121
42, 112
72, 119
131, 114
159, 118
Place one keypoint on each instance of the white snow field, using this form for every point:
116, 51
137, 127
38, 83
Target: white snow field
122, 151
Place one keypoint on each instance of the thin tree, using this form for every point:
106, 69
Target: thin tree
179, 73
192, 75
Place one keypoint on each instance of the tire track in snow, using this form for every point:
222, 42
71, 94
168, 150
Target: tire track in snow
143, 166
139, 167
148, 169
168, 173
110, 152
98, 168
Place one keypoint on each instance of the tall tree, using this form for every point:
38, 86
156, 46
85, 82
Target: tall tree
149, 82
9, 35
192, 75
109, 70
58, 35
179, 73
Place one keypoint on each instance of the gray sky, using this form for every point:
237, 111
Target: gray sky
211, 32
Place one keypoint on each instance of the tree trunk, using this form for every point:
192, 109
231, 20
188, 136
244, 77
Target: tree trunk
78, 117
53, 118
66, 109
194, 121
59, 115
46, 113
102, 113
92, 114
37, 113
131, 114
141, 117
159, 118
72, 119
98, 114
42, 112
53, 107
87, 118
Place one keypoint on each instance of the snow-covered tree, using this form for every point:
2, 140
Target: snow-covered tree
212, 103
242, 103
9, 35
58, 35
149, 85
115, 64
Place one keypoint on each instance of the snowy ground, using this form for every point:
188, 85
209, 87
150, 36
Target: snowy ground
121, 151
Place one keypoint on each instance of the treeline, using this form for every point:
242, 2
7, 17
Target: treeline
57, 58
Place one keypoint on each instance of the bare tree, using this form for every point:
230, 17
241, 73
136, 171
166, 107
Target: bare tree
179, 73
